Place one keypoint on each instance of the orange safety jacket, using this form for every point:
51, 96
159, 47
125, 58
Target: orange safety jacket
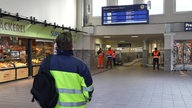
101, 55
156, 54
114, 55
109, 53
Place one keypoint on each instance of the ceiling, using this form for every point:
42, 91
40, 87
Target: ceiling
137, 41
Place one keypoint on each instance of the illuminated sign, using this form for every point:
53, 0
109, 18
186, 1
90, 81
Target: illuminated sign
188, 26
126, 14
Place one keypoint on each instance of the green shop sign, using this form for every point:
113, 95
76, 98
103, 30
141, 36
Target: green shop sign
26, 29
10, 26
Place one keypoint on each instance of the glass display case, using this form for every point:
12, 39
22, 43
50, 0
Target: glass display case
13, 58
16, 57
182, 55
40, 49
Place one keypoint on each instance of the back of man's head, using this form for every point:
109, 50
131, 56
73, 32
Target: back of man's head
64, 41
155, 48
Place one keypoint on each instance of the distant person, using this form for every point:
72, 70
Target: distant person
72, 77
114, 58
156, 55
100, 58
109, 54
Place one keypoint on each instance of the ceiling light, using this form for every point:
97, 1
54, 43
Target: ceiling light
134, 36
107, 36
121, 41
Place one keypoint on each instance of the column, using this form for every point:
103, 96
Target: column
112, 2
168, 55
145, 53
138, 1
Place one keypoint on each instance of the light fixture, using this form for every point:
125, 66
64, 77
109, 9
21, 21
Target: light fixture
107, 36
108, 46
134, 36
121, 41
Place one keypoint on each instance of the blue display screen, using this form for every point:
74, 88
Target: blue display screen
126, 14
188, 26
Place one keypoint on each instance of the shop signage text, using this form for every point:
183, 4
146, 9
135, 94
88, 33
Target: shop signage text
188, 26
10, 26
55, 33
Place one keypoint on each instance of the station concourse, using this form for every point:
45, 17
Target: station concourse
127, 86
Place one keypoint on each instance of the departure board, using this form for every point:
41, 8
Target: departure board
126, 14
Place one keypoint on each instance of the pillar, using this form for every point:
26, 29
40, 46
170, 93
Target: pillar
138, 1
145, 58
168, 55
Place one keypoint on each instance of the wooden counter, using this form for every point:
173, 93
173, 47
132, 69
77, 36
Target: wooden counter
7, 75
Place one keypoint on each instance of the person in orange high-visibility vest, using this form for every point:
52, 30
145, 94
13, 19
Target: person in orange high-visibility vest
109, 54
114, 58
100, 58
156, 55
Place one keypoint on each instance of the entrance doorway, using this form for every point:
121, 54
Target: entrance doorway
182, 55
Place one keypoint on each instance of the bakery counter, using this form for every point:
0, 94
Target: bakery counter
35, 69
7, 74
21, 72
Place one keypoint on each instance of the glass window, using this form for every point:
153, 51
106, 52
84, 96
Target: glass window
155, 6
183, 5
97, 5
125, 2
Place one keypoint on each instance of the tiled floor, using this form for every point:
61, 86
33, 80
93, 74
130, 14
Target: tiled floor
121, 87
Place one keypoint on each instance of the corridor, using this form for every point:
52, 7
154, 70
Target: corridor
121, 87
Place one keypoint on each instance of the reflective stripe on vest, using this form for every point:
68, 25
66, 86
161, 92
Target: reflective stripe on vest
62, 90
71, 104
156, 54
90, 88
72, 91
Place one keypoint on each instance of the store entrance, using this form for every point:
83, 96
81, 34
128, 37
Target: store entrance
182, 55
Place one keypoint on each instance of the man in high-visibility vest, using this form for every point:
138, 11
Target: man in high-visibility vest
156, 55
109, 54
100, 58
72, 76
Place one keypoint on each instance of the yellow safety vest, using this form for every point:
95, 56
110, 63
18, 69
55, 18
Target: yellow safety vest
73, 92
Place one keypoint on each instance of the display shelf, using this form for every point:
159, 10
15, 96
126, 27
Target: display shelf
35, 69
21, 72
7, 75
40, 49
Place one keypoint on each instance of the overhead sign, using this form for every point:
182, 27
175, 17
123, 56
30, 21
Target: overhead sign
126, 14
188, 26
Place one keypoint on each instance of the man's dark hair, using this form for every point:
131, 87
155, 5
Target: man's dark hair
64, 41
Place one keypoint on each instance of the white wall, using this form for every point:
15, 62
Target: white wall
183, 36
59, 11
169, 16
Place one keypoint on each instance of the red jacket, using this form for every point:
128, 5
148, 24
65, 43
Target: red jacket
109, 53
